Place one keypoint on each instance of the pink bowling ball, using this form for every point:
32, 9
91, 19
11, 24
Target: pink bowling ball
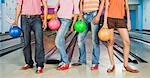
54, 24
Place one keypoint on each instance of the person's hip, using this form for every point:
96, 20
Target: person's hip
30, 16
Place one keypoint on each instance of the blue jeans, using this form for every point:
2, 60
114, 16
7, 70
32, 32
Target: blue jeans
33, 23
88, 18
60, 39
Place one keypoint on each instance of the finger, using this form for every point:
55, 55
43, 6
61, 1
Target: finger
128, 30
44, 28
93, 22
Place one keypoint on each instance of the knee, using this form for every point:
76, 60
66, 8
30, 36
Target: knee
111, 42
27, 43
126, 43
57, 42
95, 41
39, 41
80, 41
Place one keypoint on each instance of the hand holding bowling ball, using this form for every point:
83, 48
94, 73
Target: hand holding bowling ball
15, 31
80, 26
54, 24
104, 34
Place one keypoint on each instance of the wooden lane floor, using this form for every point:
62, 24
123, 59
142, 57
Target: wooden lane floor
11, 63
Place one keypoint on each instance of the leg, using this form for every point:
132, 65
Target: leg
26, 27
110, 47
95, 42
111, 52
81, 44
96, 47
126, 43
60, 39
39, 49
111, 26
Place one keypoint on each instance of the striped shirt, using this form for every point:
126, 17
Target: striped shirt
90, 5
116, 9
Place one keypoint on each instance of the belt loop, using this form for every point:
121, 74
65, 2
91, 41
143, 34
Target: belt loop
28, 16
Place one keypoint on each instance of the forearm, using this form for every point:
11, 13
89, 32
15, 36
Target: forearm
74, 18
45, 11
101, 7
57, 6
127, 10
106, 11
128, 14
18, 12
81, 6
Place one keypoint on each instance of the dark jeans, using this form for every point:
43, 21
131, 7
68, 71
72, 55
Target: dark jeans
33, 23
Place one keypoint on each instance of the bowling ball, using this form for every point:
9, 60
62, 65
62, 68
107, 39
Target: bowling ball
51, 10
50, 16
80, 26
54, 24
15, 31
104, 34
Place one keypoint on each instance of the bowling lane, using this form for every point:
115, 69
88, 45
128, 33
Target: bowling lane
10, 65
104, 60
143, 32
140, 49
8, 43
10, 62
140, 36
4, 36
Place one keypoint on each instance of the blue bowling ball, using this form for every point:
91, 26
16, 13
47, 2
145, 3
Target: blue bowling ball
15, 31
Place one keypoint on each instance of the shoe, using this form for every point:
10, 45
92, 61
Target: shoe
63, 67
111, 69
76, 64
94, 67
39, 70
129, 69
25, 67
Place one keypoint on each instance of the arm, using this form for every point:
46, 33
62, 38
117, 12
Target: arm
128, 15
76, 11
81, 9
106, 13
18, 12
56, 9
45, 13
74, 20
97, 17
101, 7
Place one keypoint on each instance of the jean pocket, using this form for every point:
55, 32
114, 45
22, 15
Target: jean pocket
94, 13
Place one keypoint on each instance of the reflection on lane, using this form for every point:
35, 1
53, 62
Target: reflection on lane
140, 36
137, 48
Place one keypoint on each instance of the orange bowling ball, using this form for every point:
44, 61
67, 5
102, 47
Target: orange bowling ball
104, 34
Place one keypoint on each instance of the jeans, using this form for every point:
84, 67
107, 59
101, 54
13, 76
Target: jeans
60, 39
88, 18
33, 23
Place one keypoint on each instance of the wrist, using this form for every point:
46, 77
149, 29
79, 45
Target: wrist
16, 20
81, 13
99, 14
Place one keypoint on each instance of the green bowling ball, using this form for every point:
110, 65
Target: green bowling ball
80, 26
